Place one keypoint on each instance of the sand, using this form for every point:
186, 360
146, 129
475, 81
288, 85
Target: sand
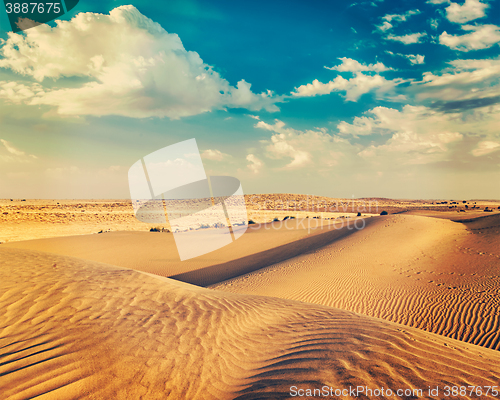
423, 272
155, 252
79, 329
26, 219
407, 302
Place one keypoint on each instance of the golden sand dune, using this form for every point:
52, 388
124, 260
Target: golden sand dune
77, 329
155, 252
427, 273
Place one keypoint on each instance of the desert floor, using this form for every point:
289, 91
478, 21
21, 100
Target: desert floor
407, 301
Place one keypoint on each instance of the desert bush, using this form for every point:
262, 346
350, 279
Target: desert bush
384, 213
251, 222
158, 229
275, 219
359, 214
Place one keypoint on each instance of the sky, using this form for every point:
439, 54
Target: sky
382, 98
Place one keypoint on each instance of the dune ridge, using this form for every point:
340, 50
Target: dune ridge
74, 328
422, 272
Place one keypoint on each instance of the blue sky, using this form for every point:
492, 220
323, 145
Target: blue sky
385, 98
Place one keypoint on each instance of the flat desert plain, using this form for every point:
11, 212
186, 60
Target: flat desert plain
328, 304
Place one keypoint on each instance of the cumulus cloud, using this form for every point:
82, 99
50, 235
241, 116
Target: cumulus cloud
464, 85
350, 65
480, 37
214, 155
17, 93
133, 68
414, 58
385, 26
485, 147
354, 88
418, 134
255, 164
470, 10
400, 17
13, 154
312, 148
383, 137
388, 18
438, 1
407, 39
281, 146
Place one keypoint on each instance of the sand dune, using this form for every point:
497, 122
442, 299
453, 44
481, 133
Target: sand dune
156, 253
427, 273
78, 329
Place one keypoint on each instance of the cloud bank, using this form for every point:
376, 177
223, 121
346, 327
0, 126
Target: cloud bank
132, 67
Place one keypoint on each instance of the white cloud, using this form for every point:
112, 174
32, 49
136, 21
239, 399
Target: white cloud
380, 139
485, 147
470, 10
353, 88
350, 65
400, 17
313, 148
133, 66
17, 93
418, 134
214, 155
438, 1
384, 27
414, 58
14, 154
481, 37
467, 84
407, 39
281, 146
434, 23
255, 164
466, 75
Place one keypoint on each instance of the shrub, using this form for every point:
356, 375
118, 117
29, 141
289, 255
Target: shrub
359, 214
275, 220
158, 229
384, 213
251, 222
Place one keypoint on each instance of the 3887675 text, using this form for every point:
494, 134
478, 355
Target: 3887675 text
471, 391
33, 8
